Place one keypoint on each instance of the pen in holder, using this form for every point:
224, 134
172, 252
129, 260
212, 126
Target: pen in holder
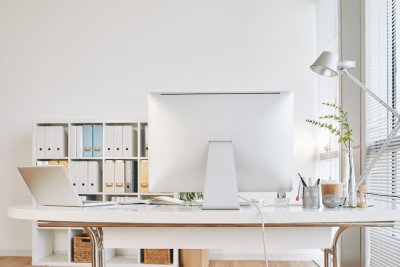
311, 197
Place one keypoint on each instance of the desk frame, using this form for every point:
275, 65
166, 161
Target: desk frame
95, 231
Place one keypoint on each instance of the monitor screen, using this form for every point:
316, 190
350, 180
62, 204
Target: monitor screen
258, 125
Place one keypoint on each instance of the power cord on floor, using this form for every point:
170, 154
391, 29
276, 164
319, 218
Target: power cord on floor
258, 205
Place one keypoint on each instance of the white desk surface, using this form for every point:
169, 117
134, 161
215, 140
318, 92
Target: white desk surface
160, 226
194, 215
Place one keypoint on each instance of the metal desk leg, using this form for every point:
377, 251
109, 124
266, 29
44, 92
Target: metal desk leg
327, 251
96, 235
333, 250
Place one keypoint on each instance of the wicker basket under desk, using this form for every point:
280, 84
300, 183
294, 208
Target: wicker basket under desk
82, 249
156, 256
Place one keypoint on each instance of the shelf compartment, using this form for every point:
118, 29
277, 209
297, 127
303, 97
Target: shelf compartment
123, 260
54, 260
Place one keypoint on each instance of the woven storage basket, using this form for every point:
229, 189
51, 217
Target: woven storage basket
157, 256
82, 249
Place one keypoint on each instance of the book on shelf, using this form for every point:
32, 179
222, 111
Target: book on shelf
93, 177
79, 141
97, 141
129, 176
72, 139
144, 177
117, 141
51, 142
87, 141
127, 141
60, 141
119, 176
53, 162
82, 179
108, 184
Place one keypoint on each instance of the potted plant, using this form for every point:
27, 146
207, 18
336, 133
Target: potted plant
190, 196
338, 125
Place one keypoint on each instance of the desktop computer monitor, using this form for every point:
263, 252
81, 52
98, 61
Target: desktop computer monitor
220, 143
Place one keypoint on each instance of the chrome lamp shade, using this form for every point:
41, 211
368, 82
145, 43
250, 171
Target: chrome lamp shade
326, 64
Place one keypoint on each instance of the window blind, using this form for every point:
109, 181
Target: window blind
383, 184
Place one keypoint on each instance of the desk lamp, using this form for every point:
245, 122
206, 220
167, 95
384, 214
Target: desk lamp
328, 64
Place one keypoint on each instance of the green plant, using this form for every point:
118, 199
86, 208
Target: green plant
190, 196
343, 131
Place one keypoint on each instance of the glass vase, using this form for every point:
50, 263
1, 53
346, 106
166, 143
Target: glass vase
350, 180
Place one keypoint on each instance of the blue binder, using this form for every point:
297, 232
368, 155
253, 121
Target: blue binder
97, 140
87, 141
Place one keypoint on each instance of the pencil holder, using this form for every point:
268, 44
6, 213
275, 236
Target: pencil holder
311, 197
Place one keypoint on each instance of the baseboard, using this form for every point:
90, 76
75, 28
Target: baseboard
15, 252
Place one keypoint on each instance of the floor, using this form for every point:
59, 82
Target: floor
26, 262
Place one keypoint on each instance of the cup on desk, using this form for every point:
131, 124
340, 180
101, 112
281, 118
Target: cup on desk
331, 192
311, 197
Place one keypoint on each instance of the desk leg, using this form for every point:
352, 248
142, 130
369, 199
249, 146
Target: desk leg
96, 235
327, 251
333, 250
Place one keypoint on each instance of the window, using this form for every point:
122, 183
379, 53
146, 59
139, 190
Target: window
383, 184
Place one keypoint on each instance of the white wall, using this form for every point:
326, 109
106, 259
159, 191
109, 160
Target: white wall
98, 59
327, 20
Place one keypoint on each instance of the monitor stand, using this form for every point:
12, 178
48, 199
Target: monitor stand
220, 185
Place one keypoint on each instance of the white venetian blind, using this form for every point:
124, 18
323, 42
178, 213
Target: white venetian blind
383, 184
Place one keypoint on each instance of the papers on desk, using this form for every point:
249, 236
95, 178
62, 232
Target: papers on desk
160, 200
130, 207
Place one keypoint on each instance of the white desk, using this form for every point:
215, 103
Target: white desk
191, 227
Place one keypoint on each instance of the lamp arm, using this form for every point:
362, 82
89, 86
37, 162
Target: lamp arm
354, 79
371, 165
390, 137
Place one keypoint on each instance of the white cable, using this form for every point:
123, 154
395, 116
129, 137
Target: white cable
262, 227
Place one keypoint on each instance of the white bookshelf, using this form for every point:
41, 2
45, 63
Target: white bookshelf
54, 246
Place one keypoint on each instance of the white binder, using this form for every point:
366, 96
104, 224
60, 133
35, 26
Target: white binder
79, 141
109, 140
72, 140
83, 177
146, 140
117, 140
40, 147
60, 142
119, 176
128, 176
73, 173
49, 142
108, 183
127, 141
93, 177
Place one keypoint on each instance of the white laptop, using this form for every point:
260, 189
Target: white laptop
51, 186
